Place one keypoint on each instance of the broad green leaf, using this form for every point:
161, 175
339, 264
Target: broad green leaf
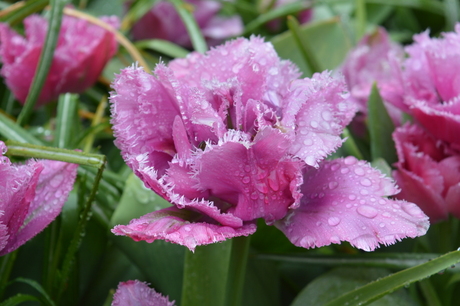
386, 285
17, 15
45, 298
342, 280
136, 11
327, 41
262, 284
452, 12
161, 262
11, 130
380, 128
382, 165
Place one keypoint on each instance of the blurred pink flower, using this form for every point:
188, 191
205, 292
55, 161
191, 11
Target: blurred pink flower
136, 293
233, 135
81, 53
376, 59
428, 172
32, 195
163, 22
432, 81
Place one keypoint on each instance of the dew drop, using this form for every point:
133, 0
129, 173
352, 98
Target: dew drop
333, 185
246, 179
333, 221
350, 160
344, 170
359, 171
327, 115
382, 224
352, 197
314, 124
367, 211
412, 209
308, 142
365, 182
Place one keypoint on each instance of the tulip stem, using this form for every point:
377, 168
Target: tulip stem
205, 275
237, 270
6, 265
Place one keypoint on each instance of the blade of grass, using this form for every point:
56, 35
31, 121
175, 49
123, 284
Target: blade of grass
46, 58
307, 53
19, 10
185, 12
162, 46
361, 18
282, 11
11, 130
136, 11
45, 298
386, 285
66, 112
97, 119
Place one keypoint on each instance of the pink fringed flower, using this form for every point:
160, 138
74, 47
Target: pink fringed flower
232, 136
136, 293
32, 195
432, 82
428, 172
163, 22
376, 59
81, 53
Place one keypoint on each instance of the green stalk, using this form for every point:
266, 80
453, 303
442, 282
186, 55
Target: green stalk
6, 265
46, 58
70, 156
360, 19
237, 270
205, 275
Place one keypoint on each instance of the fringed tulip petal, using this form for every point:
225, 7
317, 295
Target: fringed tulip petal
344, 201
182, 227
136, 293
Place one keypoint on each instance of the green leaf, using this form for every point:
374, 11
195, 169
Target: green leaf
66, 112
361, 18
329, 45
184, 10
386, 285
381, 128
17, 15
205, 274
342, 280
136, 11
304, 48
19, 299
281, 11
452, 12
46, 58
45, 297
162, 46
160, 261
237, 270
11, 130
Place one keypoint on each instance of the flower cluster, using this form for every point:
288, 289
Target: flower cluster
81, 53
233, 135
32, 195
425, 85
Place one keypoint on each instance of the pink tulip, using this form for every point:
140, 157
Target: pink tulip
233, 135
32, 196
136, 293
82, 51
428, 172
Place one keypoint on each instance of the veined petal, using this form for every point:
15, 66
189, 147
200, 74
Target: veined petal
142, 116
136, 293
256, 181
51, 191
180, 226
344, 201
317, 112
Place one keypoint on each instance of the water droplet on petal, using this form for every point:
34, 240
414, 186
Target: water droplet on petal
412, 209
314, 124
359, 171
246, 179
333, 184
333, 221
308, 142
382, 224
367, 211
350, 160
352, 197
365, 182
